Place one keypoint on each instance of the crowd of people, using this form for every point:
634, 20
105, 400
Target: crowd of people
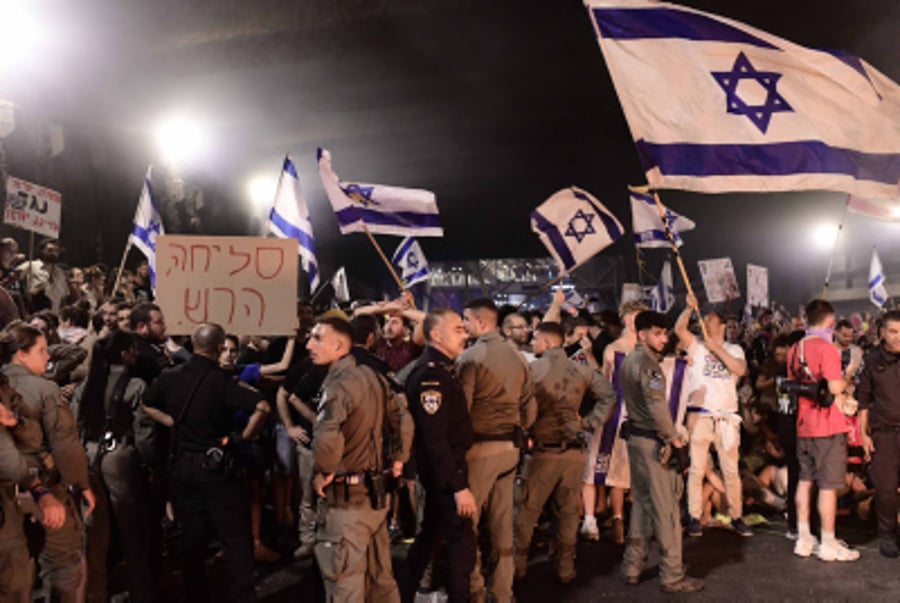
455, 432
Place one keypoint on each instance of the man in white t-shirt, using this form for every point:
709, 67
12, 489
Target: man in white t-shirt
713, 416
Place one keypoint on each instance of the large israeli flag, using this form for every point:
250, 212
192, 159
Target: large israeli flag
411, 261
877, 290
289, 219
382, 209
574, 226
147, 225
649, 230
717, 106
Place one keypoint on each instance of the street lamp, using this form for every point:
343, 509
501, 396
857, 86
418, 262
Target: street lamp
180, 138
824, 236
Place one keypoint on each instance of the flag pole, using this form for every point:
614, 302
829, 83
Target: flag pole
671, 237
834, 249
384, 259
121, 267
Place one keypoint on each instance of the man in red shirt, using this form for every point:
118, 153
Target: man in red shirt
821, 434
402, 338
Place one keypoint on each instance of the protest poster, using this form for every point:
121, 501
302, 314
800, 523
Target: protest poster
32, 207
757, 285
719, 280
246, 284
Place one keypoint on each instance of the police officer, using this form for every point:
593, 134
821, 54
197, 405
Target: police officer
356, 405
654, 484
17, 436
199, 400
558, 458
498, 387
25, 349
105, 409
878, 394
443, 436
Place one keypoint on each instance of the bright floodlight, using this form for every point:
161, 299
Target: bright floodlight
21, 38
261, 190
180, 139
824, 236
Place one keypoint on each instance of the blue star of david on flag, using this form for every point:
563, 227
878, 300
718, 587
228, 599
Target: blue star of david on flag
146, 226
742, 69
360, 194
588, 229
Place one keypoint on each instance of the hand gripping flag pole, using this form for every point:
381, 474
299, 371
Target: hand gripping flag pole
684, 276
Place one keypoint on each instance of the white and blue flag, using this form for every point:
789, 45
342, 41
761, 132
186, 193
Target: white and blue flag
382, 209
411, 261
877, 289
289, 219
574, 226
662, 296
716, 106
649, 230
146, 226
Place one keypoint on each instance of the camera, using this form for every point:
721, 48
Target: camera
814, 390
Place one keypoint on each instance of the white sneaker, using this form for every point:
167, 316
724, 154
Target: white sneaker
589, 530
839, 551
804, 547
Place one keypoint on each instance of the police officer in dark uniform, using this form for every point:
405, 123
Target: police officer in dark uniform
651, 434
878, 394
199, 401
443, 435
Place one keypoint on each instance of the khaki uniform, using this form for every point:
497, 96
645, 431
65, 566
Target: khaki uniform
558, 459
654, 486
63, 549
352, 544
498, 387
16, 569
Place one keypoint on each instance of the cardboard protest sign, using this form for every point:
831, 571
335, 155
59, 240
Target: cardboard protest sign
757, 285
246, 284
719, 280
32, 207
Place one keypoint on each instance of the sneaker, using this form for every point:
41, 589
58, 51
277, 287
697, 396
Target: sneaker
685, 585
839, 551
741, 528
888, 548
792, 535
305, 551
695, 530
589, 529
804, 547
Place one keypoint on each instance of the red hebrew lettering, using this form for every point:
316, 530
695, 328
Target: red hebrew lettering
230, 293
175, 259
262, 304
235, 253
204, 248
202, 299
271, 260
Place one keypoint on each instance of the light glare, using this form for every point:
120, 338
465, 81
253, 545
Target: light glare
261, 190
180, 139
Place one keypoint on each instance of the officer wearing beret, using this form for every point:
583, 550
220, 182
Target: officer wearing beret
654, 484
443, 436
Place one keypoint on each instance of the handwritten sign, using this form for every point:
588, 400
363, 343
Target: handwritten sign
757, 285
719, 280
246, 284
32, 207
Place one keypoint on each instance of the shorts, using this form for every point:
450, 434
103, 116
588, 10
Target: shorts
285, 452
823, 460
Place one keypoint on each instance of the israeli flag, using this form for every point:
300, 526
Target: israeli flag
147, 225
390, 210
877, 290
649, 230
574, 226
411, 261
340, 286
289, 219
717, 106
662, 296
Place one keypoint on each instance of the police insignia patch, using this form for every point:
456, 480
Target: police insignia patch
656, 379
431, 400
